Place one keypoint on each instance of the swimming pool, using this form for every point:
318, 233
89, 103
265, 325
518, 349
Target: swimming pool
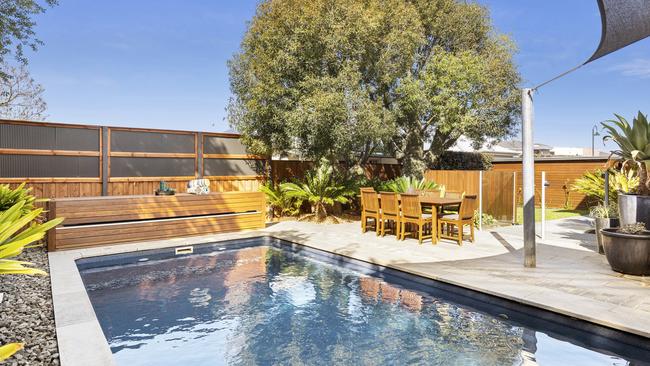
266, 301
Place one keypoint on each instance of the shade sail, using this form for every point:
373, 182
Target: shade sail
624, 22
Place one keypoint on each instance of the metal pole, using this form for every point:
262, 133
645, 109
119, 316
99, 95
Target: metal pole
528, 177
105, 148
480, 200
606, 188
543, 205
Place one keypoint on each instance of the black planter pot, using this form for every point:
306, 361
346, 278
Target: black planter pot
602, 223
634, 208
627, 253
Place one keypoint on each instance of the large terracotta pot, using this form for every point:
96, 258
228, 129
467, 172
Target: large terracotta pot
634, 208
627, 253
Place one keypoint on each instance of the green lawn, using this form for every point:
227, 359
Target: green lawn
551, 213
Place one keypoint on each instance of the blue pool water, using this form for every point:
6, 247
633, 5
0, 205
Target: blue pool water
263, 305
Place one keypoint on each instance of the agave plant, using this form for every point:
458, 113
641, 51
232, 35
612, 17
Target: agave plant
281, 203
634, 146
408, 184
14, 237
323, 187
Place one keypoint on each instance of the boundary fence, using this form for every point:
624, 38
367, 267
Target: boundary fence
65, 160
496, 190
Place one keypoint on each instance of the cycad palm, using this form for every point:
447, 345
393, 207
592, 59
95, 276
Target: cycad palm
634, 145
321, 188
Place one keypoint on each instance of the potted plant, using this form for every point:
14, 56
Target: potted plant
628, 248
604, 217
634, 151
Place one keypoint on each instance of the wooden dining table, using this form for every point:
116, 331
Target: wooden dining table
435, 203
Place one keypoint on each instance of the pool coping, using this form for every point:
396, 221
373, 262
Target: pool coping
77, 324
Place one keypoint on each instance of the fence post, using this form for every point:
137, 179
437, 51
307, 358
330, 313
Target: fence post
480, 200
514, 198
105, 147
543, 205
199, 154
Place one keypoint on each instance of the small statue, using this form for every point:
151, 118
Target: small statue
164, 190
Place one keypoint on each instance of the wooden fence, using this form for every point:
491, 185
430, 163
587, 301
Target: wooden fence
65, 160
561, 174
286, 170
496, 190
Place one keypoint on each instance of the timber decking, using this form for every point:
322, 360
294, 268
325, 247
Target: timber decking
94, 221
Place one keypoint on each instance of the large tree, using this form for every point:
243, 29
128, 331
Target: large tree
17, 26
20, 96
344, 78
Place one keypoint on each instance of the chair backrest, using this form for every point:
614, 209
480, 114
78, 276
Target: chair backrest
365, 189
411, 205
452, 194
389, 203
467, 207
370, 201
431, 193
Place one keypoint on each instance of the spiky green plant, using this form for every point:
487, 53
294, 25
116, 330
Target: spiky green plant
14, 237
633, 146
10, 196
408, 184
281, 203
592, 184
322, 187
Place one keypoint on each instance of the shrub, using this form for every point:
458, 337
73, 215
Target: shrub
9, 197
322, 188
281, 203
407, 184
461, 160
592, 184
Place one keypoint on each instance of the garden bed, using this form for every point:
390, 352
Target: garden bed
27, 314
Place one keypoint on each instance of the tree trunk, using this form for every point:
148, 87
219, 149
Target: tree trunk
413, 163
320, 212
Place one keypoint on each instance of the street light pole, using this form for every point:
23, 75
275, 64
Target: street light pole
594, 133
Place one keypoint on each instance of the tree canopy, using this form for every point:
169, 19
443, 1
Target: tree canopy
344, 79
17, 26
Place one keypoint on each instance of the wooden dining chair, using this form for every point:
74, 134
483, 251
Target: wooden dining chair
389, 212
465, 216
412, 213
370, 210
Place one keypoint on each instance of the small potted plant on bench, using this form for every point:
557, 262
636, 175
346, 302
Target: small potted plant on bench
164, 190
628, 248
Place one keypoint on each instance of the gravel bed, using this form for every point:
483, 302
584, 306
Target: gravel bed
26, 314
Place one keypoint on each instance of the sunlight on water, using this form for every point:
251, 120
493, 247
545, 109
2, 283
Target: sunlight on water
262, 305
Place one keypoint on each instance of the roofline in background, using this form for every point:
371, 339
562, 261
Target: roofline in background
99, 126
552, 159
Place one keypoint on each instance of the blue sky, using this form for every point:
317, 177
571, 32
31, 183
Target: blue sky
162, 64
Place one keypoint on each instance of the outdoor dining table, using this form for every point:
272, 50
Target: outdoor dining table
435, 203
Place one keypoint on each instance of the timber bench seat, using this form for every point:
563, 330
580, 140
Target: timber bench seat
96, 221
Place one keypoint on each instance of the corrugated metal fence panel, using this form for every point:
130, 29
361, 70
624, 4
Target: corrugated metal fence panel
153, 142
152, 167
48, 166
19, 136
223, 145
232, 167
